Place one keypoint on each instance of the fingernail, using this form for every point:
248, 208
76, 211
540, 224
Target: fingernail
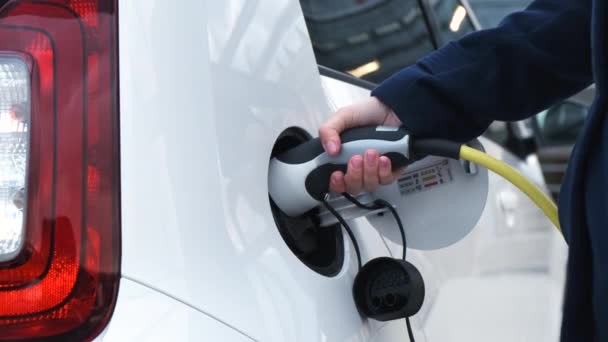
357, 163
370, 156
332, 147
384, 162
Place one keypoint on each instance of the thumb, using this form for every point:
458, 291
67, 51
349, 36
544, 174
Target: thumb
329, 132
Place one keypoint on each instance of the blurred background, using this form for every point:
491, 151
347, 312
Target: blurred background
491, 12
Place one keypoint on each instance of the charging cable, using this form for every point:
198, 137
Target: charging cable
346, 227
449, 149
377, 204
516, 178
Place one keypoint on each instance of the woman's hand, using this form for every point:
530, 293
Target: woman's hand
364, 173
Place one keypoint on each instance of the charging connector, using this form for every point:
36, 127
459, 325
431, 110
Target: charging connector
454, 150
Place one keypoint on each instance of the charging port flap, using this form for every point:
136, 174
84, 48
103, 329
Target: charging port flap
439, 200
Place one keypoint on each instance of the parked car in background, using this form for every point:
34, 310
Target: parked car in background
135, 138
556, 130
491, 12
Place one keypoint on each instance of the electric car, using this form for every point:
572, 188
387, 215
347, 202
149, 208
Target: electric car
135, 139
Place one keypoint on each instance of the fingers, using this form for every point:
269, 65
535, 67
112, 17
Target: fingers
354, 175
366, 112
336, 183
329, 133
384, 173
364, 173
371, 171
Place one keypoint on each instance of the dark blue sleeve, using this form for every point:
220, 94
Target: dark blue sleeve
534, 58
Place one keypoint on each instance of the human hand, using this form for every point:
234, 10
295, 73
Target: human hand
363, 172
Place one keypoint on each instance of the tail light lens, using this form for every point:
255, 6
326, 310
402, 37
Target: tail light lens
59, 171
14, 140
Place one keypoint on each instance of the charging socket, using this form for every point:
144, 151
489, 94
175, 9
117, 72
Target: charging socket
319, 248
386, 289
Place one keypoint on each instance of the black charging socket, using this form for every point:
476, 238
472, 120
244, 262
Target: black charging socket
387, 289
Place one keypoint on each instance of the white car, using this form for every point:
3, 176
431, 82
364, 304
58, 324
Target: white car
135, 137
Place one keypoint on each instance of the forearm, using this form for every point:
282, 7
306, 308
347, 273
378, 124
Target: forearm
533, 59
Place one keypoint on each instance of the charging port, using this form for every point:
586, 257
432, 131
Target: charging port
386, 289
319, 248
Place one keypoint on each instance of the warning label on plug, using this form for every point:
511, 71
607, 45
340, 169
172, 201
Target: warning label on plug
426, 178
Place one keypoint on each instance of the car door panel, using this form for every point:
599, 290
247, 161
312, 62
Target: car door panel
196, 136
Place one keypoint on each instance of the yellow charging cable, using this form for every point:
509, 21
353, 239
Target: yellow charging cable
516, 178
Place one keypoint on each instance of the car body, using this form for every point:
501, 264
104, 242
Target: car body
205, 89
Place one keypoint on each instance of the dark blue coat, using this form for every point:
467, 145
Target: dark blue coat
548, 52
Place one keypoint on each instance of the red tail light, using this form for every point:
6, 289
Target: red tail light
59, 275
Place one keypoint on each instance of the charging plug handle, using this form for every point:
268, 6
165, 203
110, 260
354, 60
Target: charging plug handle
299, 178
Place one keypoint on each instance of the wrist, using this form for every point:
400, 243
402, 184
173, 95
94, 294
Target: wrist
389, 116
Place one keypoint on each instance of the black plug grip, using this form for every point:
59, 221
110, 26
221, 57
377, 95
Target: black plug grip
317, 181
312, 148
391, 142
436, 147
